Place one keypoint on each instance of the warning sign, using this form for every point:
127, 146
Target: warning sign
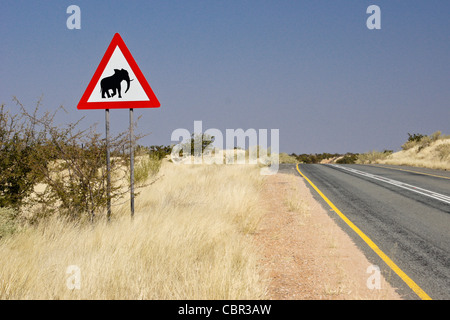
118, 82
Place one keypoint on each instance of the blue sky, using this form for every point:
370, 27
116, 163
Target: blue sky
311, 69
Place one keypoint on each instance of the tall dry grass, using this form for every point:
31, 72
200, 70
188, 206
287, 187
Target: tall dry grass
372, 157
431, 151
190, 239
434, 154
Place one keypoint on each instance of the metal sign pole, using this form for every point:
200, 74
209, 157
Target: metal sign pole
131, 163
108, 168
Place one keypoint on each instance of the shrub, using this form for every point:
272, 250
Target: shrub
424, 142
408, 145
420, 140
160, 151
314, 158
70, 162
348, 158
20, 146
8, 222
199, 142
77, 179
413, 139
285, 158
373, 156
146, 167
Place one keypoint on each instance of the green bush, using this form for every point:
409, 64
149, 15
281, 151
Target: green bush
71, 163
415, 137
413, 140
314, 158
21, 147
160, 151
348, 158
8, 222
199, 142
146, 167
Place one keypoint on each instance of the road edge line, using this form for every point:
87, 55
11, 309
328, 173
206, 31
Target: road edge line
417, 290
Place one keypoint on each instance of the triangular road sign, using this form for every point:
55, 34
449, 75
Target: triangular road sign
118, 83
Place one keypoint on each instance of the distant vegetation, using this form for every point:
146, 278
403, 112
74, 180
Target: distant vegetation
159, 151
348, 158
422, 141
285, 158
320, 157
430, 151
314, 158
372, 156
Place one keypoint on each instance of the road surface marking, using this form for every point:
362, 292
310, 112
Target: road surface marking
371, 244
418, 172
437, 196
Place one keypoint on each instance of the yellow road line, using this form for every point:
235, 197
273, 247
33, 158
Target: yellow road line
372, 245
427, 174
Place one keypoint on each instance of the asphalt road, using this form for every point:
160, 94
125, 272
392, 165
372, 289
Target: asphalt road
406, 214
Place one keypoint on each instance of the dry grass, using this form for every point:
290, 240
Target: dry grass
285, 158
372, 157
433, 154
190, 239
431, 151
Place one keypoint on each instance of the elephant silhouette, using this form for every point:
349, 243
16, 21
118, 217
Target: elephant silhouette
113, 83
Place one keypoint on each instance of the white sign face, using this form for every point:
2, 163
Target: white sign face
116, 78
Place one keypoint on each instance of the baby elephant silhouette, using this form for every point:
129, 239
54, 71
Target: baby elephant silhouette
113, 83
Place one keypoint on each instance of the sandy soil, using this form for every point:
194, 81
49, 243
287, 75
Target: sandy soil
306, 255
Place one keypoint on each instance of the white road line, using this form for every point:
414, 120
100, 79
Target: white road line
441, 197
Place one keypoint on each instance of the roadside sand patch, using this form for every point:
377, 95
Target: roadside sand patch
307, 256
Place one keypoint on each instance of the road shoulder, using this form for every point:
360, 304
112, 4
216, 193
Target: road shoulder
306, 255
